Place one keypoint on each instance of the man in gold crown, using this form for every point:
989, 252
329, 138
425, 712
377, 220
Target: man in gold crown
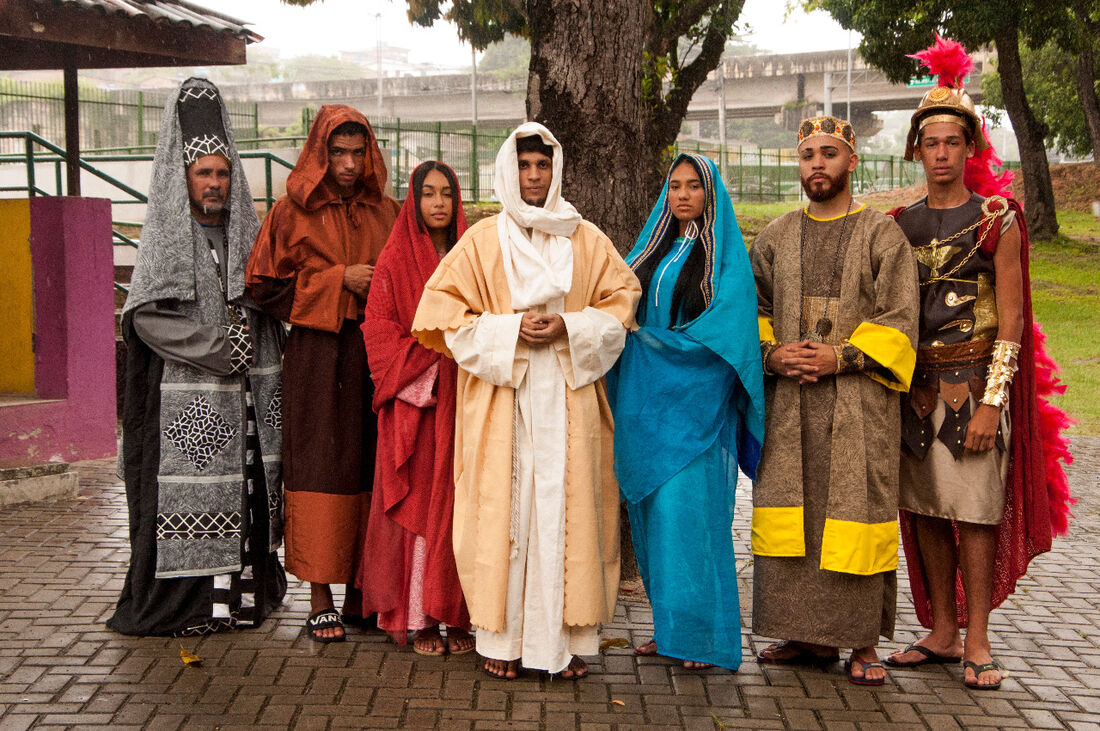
955, 427
837, 306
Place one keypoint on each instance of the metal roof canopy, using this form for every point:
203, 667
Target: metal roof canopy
75, 34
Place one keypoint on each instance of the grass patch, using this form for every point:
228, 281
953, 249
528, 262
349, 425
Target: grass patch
1065, 287
753, 217
1065, 284
1079, 225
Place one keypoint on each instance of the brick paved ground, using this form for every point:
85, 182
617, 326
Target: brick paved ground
62, 564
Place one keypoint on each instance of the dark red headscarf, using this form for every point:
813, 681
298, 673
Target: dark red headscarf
414, 474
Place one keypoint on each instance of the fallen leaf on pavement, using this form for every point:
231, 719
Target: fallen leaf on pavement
189, 658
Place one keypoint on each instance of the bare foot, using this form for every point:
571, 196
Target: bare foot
694, 665
459, 641
577, 668
646, 649
428, 642
504, 669
320, 597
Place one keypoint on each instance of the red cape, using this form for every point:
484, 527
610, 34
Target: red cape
414, 475
1037, 495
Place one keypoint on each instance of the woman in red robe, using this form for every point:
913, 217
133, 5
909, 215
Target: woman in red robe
407, 573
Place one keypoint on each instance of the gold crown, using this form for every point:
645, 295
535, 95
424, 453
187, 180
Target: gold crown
827, 126
945, 104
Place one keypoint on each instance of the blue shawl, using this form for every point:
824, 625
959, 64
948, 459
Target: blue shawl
675, 391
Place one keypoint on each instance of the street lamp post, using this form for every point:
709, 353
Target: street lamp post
378, 62
473, 85
722, 118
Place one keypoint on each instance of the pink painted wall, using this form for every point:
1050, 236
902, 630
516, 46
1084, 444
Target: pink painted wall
71, 255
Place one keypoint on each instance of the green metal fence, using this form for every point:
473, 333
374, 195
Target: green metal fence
756, 175
470, 150
115, 122
119, 118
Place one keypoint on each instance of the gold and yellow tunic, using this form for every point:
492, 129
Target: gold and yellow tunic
825, 500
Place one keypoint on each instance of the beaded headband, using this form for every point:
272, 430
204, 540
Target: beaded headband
827, 126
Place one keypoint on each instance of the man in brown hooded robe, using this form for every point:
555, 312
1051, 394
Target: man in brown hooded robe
311, 267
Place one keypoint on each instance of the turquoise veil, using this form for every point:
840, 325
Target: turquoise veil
665, 389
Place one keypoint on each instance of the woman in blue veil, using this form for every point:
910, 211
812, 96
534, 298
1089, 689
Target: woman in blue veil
688, 400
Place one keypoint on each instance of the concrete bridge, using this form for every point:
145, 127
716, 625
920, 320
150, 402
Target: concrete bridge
754, 86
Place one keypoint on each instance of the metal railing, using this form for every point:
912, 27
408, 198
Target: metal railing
108, 117
55, 156
52, 155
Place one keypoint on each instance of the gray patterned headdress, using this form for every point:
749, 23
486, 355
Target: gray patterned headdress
201, 126
165, 267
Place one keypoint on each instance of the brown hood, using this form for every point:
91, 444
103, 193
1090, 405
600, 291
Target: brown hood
304, 184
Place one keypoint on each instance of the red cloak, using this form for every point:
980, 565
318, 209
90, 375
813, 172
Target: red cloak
414, 475
1037, 495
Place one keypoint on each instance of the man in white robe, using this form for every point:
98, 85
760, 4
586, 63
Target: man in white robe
534, 306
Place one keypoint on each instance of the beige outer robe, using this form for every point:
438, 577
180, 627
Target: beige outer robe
470, 281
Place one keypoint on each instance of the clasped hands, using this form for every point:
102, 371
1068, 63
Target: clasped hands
804, 361
540, 328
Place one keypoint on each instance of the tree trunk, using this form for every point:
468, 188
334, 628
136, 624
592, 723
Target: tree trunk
1086, 92
1038, 193
601, 126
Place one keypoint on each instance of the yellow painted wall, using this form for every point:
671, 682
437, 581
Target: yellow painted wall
16, 298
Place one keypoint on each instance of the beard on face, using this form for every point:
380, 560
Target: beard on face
210, 204
832, 188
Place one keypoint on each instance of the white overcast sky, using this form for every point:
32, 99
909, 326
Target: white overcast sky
329, 26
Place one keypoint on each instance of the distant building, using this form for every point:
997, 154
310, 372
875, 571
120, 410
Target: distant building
395, 62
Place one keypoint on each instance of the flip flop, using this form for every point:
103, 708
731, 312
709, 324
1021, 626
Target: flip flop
930, 658
802, 657
852, 662
978, 670
431, 653
324, 619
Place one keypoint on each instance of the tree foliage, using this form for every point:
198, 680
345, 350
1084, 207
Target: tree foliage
507, 58
1050, 84
892, 29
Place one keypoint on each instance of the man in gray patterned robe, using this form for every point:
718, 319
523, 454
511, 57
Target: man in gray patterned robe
201, 417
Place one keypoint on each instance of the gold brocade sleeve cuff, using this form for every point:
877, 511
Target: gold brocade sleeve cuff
766, 350
849, 358
767, 342
1002, 369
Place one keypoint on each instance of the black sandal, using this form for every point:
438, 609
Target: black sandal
864, 665
930, 657
325, 619
978, 670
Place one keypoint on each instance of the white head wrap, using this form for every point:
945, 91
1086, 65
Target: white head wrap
539, 266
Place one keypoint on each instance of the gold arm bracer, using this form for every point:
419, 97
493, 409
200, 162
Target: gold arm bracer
1002, 368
